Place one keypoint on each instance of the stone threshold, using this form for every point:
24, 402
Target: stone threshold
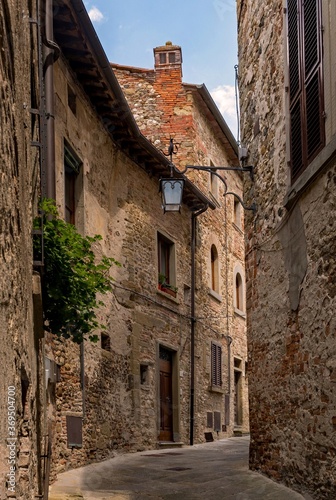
169, 444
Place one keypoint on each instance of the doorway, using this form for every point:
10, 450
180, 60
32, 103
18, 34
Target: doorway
166, 394
237, 400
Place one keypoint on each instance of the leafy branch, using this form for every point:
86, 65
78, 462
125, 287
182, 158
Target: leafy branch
71, 277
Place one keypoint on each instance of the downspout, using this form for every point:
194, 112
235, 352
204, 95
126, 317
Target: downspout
193, 321
51, 52
228, 338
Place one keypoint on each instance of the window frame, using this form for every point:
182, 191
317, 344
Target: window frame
306, 113
214, 268
216, 365
168, 269
72, 166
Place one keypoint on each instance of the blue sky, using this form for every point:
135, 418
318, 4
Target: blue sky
206, 31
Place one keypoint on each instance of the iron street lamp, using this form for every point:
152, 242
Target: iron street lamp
172, 192
172, 187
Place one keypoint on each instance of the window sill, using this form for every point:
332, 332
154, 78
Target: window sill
240, 313
215, 295
217, 389
167, 296
309, 175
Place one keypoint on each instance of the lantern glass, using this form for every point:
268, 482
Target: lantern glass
172, 191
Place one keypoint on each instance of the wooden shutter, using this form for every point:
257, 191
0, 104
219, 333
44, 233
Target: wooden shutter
216, 364
209, 420
305, 82
217, 421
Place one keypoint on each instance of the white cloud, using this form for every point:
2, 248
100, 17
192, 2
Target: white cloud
224, 97
95, 15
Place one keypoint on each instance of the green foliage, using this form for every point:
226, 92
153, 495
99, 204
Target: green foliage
163, 282
71, 278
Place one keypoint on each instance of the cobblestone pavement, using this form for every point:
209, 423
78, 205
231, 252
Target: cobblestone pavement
209, 471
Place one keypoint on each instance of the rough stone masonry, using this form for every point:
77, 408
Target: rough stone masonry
290, 258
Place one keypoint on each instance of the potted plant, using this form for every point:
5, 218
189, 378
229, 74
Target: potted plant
166, 287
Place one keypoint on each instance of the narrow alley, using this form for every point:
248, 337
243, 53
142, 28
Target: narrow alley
208, 471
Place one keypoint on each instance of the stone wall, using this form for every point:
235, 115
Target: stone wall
20, 446
290, 270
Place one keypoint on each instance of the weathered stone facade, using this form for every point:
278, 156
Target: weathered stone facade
166, 107
113, 389
21, 365
290, 264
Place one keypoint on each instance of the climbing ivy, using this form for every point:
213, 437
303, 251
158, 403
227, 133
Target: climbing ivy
71, 278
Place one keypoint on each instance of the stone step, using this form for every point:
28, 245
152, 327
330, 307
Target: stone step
162, 445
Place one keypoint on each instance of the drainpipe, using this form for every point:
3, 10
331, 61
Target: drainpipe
193, 321
51, 53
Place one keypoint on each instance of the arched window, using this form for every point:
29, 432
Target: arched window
239, 292
214, 269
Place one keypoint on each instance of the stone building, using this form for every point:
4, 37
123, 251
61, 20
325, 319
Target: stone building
287, 76
165, 107
172, 336
21, 364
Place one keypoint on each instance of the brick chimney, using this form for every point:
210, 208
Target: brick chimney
168, 58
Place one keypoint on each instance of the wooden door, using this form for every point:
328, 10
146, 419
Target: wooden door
166, 396
237, 400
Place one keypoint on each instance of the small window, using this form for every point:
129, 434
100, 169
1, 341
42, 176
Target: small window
166, 265
237, 213
214, 269
163, 58
172, 57
216, 365
72, 100
105, 342
72, 165
143, 374
239, 292
214, 181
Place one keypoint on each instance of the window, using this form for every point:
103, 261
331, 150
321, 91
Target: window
166, 264
163, 58
214, 181
214, 269
216, 365
143, 374
105, 342
239, 292
72, 166
72, 100
171, 57
237, 213
304, 33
